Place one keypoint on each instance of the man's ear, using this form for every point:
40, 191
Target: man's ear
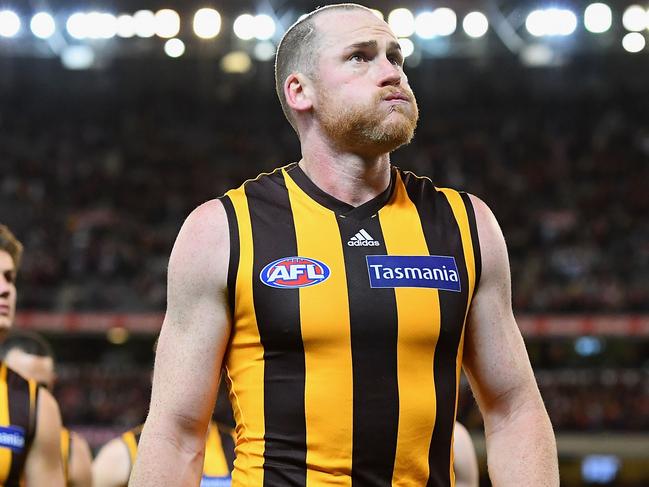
298, 93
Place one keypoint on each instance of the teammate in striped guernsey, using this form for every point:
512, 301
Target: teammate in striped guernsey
115, 459
30, 422
31, 356
343, 361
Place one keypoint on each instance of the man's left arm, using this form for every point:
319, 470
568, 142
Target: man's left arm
521, 448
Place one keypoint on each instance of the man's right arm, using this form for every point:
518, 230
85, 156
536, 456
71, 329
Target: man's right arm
190, 349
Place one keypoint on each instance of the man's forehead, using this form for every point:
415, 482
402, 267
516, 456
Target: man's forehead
342, 27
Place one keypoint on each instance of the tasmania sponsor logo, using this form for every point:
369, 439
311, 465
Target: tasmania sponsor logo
12, 437
293, 272
430, 271
207, 481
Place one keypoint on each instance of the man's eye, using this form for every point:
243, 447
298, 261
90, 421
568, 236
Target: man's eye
358, 57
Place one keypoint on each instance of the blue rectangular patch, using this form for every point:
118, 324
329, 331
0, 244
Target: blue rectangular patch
12, 437
207, 481
428, 271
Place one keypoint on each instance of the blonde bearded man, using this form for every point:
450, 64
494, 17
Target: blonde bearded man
345, 295
31, 356
30, 422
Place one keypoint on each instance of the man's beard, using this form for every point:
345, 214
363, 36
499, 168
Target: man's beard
372, 127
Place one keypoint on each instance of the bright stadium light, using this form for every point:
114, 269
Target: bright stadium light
42, 25
77, 57
144, 23
634, 18
174, 48
402, 22
167, 23
445, 21
100, 25
264, 27
264, 51
475, 24
598, 18
244, 27
207, 23
125, 26
236, 62
407, 47
76, 26
633, 42
9, 23
551, 22
425, 27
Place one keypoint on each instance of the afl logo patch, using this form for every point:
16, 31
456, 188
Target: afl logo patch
294, 272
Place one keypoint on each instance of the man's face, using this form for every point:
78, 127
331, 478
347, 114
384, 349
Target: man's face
40, 369
363, 100
7, 291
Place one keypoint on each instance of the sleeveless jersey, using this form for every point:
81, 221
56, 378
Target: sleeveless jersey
66, 453
347, 331
18, 399
218, 459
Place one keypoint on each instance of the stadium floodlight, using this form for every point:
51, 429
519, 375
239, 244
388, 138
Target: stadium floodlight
244, 27
402, 22
144, 23
264, 51
425, 27
78, 57
475, 24
407, 47
634, 18
207, 23
236, 62
167, 23
125, 26
42, 25
174, 48
633, 42
9, 23
76, 26
264, 27
598, 18
445, 21
100, 25
551, 22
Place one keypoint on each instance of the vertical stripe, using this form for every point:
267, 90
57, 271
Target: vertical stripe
463, 211
215, 464
18, 395
324, 314
5, 453
419, 323
233, 264
245, 360
131, 445
373, 322
278, 320
65, 453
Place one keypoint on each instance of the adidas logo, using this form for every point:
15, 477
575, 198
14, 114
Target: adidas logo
362, 239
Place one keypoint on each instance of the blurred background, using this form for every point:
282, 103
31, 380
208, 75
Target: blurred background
118, 117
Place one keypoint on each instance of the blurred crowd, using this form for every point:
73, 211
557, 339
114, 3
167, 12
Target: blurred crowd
97, 190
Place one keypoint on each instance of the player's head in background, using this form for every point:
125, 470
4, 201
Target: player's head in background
339, 77
11, 251
30, 355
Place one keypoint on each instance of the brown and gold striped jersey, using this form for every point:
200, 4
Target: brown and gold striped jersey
347, 335
18, 401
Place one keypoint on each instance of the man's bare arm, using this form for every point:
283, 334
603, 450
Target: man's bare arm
80, 462
112, 465
465, 461
190, 349
521, 448
44, 464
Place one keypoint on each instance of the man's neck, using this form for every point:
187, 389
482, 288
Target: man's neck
348, 177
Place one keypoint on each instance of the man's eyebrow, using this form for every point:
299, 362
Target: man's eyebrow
363, 45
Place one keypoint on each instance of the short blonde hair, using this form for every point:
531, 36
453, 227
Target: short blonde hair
10, 244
